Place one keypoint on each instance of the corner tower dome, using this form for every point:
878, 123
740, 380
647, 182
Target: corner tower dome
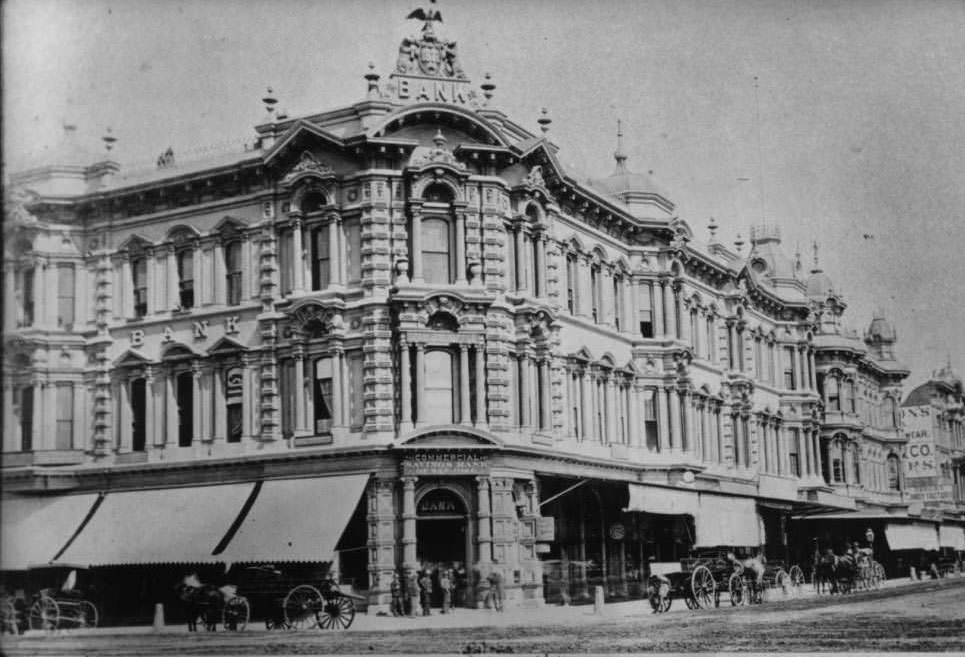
880, 329
636, 190
819, 284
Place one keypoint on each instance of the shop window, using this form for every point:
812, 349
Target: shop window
234, 401
646, 310
64, 413
321, 264
439, 394
324, 396
139, 286
138, 401
353, 250
185, 399
185, 266
436, 251
66, 291
233, 265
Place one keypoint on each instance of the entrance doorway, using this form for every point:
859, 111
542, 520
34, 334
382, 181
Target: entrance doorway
442, 541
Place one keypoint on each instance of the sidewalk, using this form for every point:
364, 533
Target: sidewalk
468, 618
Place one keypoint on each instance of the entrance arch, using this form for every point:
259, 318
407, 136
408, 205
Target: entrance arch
443, 537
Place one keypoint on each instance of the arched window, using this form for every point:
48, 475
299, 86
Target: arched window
185, 399
185, 267
234, 396
232, 260
138, 402
439, 387
833, 393
436, 251
313, 202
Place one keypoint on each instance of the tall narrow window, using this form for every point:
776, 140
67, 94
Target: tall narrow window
321, 266
837, 464
439, 395
595, 292
650, 420
646, 310
575, 404
853, 397
286, 261
232, 261
324, 396
571, 283
758, 360
792, 454
740, 349
436, 253
833, 392
711, 336
139, 286
617, 300
695, 333
234, 403
356, 406
894, 476
185, 260
536, 275
856, 465
65, 295
286, 383
736, 438
65, 415
185, 398
789, 379
27, 292
138, 398
26, 394
353, 250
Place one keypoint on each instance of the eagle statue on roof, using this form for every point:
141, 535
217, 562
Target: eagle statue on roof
427, 14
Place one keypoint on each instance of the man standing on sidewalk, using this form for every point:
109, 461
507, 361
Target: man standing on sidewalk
396, 589
445, 583
425, 592
411, 593
496, 586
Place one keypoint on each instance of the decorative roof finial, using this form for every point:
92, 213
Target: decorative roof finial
544, 120
372, 78
619, 155
817, 267
108, 139
270, 101
428, 14
797, 258
487, 88
739, 243
439, 139
712, 226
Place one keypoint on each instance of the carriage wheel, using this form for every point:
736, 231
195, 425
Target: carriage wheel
236, 613
301, 606
703, 587
797, 579
735, 584
8, 617
337, 613
87, 615
44, 614
783, 582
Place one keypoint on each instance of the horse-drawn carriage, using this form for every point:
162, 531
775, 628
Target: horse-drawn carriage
702, 579
855, 570
60, 606
281, 599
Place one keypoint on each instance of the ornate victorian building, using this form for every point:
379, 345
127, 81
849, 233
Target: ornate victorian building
404, 333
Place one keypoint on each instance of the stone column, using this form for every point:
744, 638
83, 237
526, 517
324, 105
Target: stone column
38, 440
670, 311
481, 411
689, 429
704, 450
298, 257
464, 385
525, 388
220, 405
247, 401
11, 442
657, 306
719, 434
420, 385
484, 534
460, 248
10, 313
818, 457
200, 280
663, 425
405, 382
610, 409
127, 290
675, 432
416, 256
219, 291
546, 415
346, 402
409, 559
343, 251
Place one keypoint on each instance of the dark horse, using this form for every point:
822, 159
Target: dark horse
836, 573
201, 602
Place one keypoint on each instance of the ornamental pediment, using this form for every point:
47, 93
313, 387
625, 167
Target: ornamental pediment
308, 165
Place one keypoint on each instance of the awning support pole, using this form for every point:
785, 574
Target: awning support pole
559, 495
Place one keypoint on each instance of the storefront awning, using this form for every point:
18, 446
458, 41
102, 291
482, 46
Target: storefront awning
915, 536
729, 521
34, 529
175, 525
296, 520
952, 536
666, 501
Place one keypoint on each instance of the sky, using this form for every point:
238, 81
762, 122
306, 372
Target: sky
840, 122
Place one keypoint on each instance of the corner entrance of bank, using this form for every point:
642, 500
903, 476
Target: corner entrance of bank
443, 540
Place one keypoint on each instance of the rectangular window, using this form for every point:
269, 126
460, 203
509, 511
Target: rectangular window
353, 251
575, 405
513, 378
833, 392
356, 407
793, 455
138, 400
758, 360
571, 283
27, 292
436, 254
65, 415
286, 262
711, 337
26, 399
789, 379
234, 401
232, 260
511, 282
324, 396
321, 266
139, 286
646, 310
617, 301
286, 386
595, 292
650, 419
185, 262
65, 295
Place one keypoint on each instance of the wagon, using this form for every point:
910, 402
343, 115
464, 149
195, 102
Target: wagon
285, 601
54, 610
699, 581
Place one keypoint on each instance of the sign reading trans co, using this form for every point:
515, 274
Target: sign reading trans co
919, 453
